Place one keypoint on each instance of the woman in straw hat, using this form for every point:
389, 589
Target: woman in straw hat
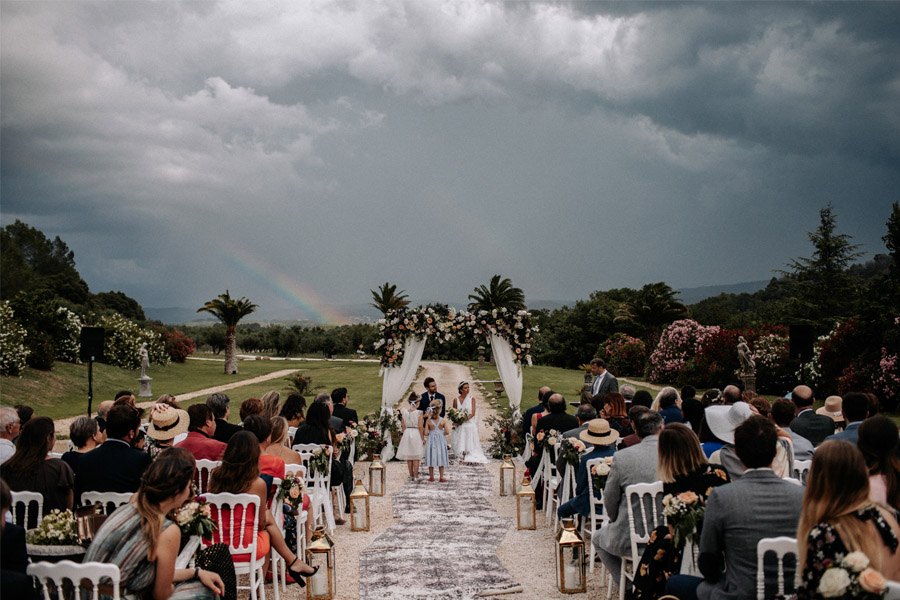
166, 423
603, 438
682, 467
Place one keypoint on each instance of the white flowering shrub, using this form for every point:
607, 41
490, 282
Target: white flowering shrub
69, 341
123, 339
12, 342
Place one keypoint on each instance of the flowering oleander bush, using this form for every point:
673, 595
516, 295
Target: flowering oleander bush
123, 340
58, 528
773, 365
680, 342
887, 380
68, 341
624, 355
13, 353
178, 346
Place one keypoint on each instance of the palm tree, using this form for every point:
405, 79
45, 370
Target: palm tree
499, 294
653, 306
229, 311
388, 298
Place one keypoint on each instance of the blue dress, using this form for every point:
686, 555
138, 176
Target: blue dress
436, 454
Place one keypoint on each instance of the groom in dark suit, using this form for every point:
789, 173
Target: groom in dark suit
430, 394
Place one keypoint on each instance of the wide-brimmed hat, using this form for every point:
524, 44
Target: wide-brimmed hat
833, 408
599, 433
723, 420
167, 422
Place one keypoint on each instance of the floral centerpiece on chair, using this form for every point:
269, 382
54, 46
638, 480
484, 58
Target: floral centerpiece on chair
570, 451
291, 491
853, 578
320, 461
58, 528
545, 439
600, 473
684, 512
195, 518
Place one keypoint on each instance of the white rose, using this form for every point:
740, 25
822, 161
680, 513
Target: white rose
857, 561
354, 433
834, 583
602, 469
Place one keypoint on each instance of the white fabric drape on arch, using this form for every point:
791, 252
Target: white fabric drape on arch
510, 372
396, 380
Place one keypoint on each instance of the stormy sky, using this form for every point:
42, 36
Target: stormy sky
301, 153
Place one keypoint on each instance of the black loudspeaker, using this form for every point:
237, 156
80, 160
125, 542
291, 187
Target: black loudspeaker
802, 339
91, 344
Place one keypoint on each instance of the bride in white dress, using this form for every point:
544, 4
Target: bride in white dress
465, 440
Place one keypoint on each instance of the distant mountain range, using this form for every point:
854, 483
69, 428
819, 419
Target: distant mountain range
365, 313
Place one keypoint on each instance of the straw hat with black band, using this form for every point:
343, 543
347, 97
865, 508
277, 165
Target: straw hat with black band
167, 423
599, 433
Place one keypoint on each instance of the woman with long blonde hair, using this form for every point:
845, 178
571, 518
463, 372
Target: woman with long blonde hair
839, 518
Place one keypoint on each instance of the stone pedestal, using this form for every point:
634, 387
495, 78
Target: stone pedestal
145, 391
749, 382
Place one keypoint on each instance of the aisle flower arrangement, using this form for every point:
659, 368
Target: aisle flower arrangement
291, 491
545, 439
320, 461
683, 512
57, 528
600, 473
505, 434
570, 451
195, 518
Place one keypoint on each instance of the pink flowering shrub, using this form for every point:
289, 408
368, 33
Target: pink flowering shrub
887, 380
679, 343
624, 355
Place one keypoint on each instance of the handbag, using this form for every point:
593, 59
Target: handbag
88, 520
217, 558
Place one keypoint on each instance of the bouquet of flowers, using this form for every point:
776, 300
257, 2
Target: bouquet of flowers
506, 435
291, 490
570, 451
457, 417
545, 439
600, 473
58, 528
683, 512
195, 518
853, 578
320, 460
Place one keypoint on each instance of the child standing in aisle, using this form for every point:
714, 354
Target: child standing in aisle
412, 444
436, 454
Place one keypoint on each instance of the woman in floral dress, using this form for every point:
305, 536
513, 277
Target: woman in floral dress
682, 467
840, 521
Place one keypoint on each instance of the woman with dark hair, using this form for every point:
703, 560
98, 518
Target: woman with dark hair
315, 430
250, 406
29, 469
682, 467
838, 518
545, 399
293, 409
239, 474
615, 412
143, 542
878, 444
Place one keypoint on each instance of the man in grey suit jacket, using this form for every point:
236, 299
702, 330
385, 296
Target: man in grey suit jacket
759, 505
636, 464
604, 381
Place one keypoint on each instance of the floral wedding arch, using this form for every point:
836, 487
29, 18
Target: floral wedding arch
404, 332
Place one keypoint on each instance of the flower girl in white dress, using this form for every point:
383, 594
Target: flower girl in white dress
412, 444
465, 440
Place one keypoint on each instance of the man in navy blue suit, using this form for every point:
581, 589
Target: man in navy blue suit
114, 466
430, 394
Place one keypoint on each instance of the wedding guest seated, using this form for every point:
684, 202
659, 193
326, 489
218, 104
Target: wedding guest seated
642, 398
124, 397
143, 542
691, 407
14, 582
633, 439
25, 413
807, 423
219, 404
538, 415
293, 409
340, 398
839, 518
249, 407
114, 466
636, 464
666, 402
239, 474
627, 392
316, 430
710, 396
834, 410
200, 440
584, 413
730, 394
29, 470
84, 433
271, 402
615, 412
723, 420
536, 409
682, 468
9, 430
763, 407
855, 409
556, 419
760, 504
269, 464
168, 399
102, 411
166, 423
878, 444
279, 442
782, 414
602, 438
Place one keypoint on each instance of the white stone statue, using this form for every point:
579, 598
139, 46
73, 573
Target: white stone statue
748, 365
145, 360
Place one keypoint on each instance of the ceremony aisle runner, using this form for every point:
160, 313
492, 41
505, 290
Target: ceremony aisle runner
443, 543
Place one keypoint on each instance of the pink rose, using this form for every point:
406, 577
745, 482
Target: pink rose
872, 581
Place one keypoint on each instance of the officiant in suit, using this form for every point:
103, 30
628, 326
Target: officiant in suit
604, 381
430, 394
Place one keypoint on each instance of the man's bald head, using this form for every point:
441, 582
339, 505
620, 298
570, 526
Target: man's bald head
730, 394
803, 396
543, 390
556, 403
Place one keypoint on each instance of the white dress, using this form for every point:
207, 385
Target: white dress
465, 440
411, 446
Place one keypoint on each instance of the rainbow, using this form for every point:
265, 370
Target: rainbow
296, 292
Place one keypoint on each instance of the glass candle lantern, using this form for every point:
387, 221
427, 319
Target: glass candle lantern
570, 566
359, 507
507, 476
525, 507
376, 476
320, 553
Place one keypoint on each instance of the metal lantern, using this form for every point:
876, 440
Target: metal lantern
507, 476
570, 575
376, 476
525, 508
359, 507
320, 553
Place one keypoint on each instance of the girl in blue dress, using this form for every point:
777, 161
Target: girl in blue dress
436, 454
